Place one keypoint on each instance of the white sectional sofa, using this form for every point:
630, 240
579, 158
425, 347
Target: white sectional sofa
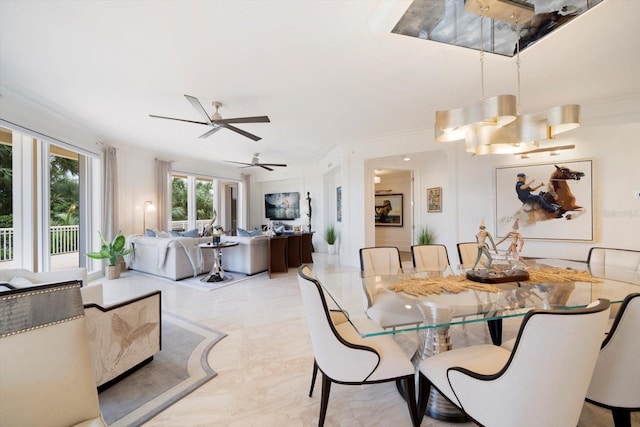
251, 256
177, 258
172, 257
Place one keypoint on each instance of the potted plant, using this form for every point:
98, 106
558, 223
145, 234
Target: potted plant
330, 235
111, 250
425, 236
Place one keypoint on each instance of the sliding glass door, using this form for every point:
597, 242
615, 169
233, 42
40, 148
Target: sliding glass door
48, 202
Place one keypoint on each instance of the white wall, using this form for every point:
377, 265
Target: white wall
136, 182
608, 136
294, 178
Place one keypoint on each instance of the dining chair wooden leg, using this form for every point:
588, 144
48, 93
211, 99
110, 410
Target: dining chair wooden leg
324, 402
424, 389
410, 387
313, 377
495, 330
621, 417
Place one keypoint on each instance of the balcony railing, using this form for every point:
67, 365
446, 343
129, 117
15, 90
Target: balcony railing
182, 225
62, 238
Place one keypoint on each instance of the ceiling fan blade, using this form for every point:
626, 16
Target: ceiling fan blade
180, 120
198, 106
264, 167
210, 132
242, 132
239, 163
257, 119
281, 165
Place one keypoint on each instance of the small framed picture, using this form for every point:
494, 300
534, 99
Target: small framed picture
388, 210
434, 199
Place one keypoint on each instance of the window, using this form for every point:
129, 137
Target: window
6, 199
47, 209
193, 200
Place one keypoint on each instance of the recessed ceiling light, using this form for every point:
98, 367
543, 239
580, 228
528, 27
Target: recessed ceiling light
406, 158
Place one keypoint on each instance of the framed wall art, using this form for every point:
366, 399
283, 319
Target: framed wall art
565, 185
338, 204
388, 210
434, 199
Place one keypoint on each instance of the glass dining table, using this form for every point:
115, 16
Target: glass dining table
446, 298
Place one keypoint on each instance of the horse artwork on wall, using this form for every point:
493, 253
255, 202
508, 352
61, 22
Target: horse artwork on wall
559, 204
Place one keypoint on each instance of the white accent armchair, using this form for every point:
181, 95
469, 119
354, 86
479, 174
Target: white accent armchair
615, 383
45, 364
343, 357
542, 382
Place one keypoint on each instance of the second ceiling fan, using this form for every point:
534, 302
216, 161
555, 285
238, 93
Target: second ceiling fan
255, 162
216, 121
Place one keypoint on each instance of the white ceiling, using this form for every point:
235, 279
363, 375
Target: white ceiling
326, 72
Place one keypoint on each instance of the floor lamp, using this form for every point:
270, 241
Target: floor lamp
148, 206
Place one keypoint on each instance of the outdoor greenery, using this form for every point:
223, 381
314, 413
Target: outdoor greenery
425, 236
63, 179
64, 190
6, 190
180, 194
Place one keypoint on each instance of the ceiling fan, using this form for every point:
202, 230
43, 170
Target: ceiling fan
256, 162
216, 121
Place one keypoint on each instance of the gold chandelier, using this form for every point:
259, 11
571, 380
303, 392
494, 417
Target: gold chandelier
495, 125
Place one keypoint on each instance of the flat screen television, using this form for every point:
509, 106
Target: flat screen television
282, 206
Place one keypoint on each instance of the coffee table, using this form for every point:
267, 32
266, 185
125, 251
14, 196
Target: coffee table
217, 274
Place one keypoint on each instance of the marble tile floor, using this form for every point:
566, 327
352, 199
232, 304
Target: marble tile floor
264, 364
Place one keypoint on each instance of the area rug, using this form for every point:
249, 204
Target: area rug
177, 370
195, 282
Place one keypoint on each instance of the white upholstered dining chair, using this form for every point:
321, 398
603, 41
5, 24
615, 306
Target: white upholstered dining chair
46, 371
430, 257
386, 309
343, 357
467, 253
615, 383
542, 382
380, 260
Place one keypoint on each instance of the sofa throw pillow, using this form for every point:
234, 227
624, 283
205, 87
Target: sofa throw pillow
20, 282
254, 233
174, 233
149, 232
191, 233
163, 234
242, 232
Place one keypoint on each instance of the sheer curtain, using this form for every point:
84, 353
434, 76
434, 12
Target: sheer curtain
163, 192
110, 202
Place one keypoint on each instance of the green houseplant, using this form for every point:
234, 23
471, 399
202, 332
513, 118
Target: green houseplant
111, 250
425, 236
330, 235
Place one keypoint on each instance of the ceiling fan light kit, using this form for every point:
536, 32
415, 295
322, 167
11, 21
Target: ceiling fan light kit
216, 121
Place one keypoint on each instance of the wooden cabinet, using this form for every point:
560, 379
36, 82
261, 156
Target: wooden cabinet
289, 251
278, 255
293, 250
306, 247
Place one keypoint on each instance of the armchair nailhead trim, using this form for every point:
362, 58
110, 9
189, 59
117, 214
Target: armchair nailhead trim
38, 308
